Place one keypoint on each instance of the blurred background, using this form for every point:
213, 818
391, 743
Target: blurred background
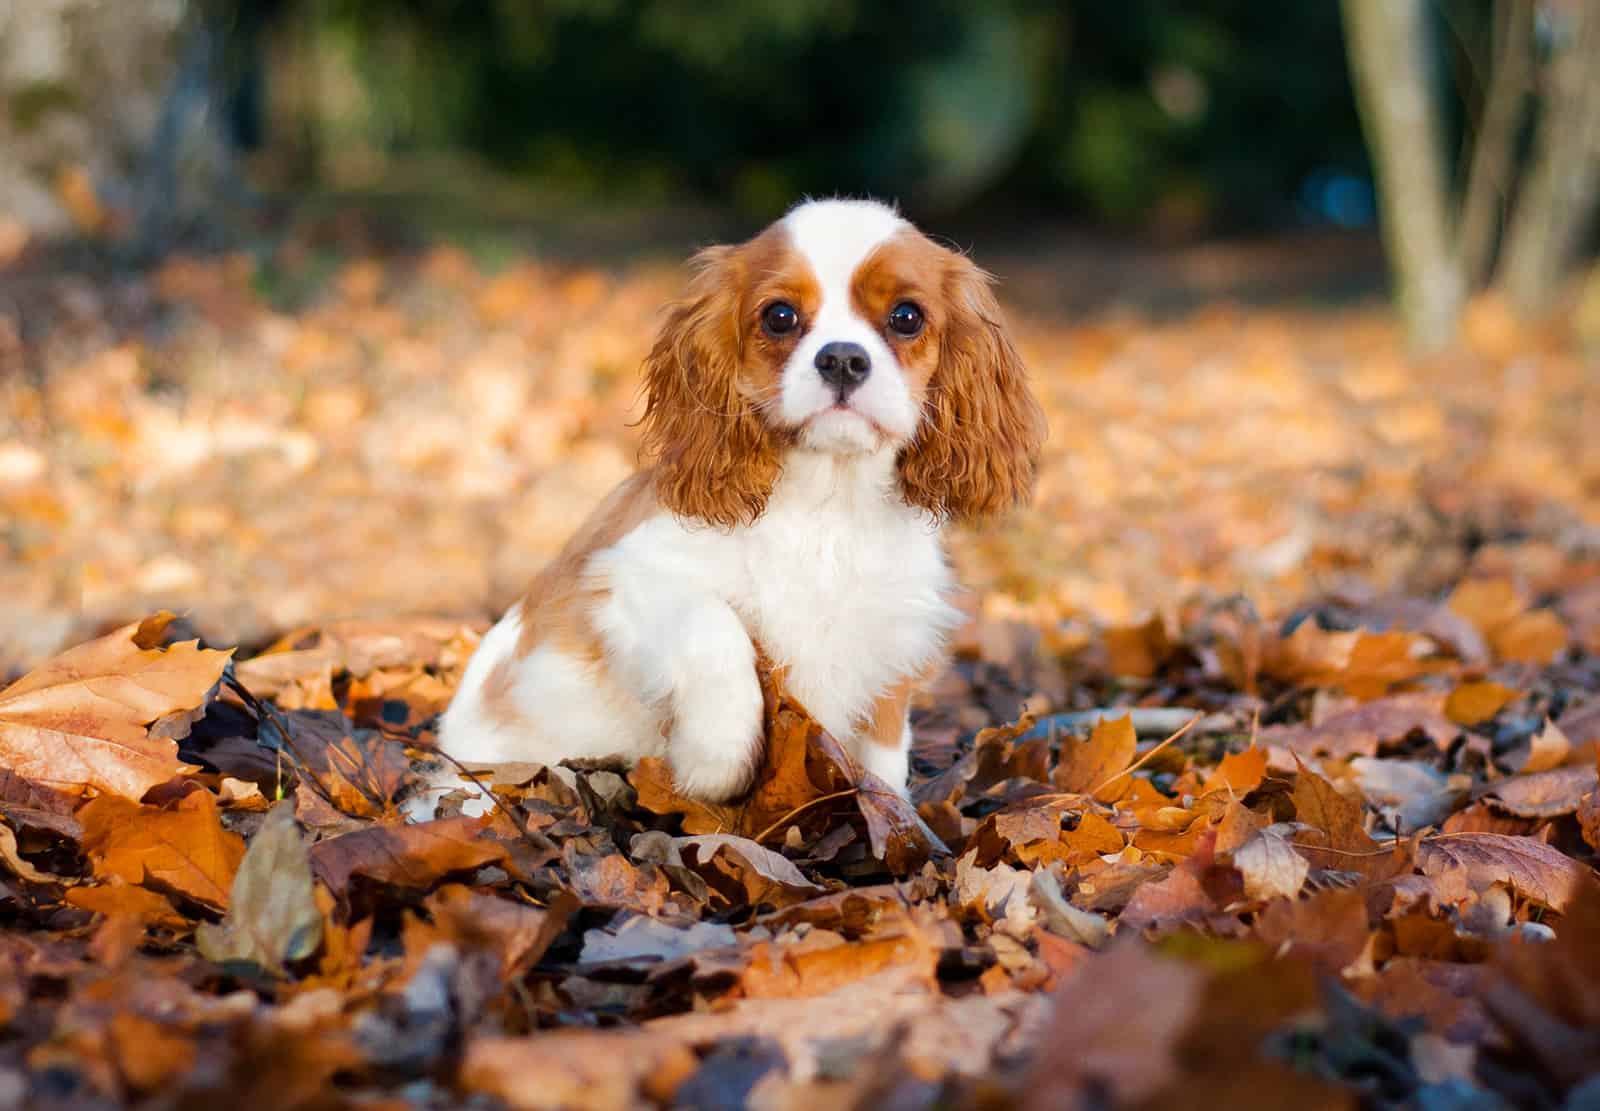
319, 308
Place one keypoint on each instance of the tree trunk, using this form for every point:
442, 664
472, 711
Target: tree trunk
81, 84
1557, 204
1390, 60
1494, 147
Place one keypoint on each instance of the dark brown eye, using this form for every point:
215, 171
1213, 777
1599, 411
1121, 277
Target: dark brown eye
779, 318
905, 319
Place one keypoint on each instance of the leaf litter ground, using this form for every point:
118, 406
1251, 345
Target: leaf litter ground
1264, 772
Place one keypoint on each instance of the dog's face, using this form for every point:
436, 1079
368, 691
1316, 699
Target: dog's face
840, 329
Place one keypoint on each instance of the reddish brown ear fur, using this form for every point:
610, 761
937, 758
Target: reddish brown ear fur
978, 447
716, 460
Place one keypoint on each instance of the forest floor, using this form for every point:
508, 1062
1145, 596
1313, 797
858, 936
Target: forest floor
1365, 588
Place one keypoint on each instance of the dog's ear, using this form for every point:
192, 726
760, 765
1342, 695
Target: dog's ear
716, 458
975, 453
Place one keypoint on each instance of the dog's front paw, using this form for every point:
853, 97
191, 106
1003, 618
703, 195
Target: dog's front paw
716, 743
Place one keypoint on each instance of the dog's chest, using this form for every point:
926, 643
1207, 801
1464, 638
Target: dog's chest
849, 602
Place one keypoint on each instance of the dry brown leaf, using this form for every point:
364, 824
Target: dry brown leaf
81, 720
745, 873
1543, 794
178, 848
1360, 730
1096, 764
272, 918
1270, 867
1238, 773
1535, 637
413, 855
1116, 1029
517, 934
1546, 749
1338, 838
594, 1070
119, 898
806, 783
1462, 864
1475, 703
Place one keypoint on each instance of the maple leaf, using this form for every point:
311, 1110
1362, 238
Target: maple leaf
1097, 763
81, 720
181, 847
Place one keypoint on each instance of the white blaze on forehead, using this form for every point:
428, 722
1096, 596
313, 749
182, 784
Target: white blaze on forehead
836, 237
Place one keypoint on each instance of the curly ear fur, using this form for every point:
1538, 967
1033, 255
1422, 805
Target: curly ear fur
715, 457
978, 446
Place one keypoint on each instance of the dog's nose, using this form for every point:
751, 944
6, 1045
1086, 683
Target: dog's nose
844, 366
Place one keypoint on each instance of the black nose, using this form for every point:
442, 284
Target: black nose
844, 366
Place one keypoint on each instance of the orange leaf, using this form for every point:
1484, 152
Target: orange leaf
1097, 764
180, 848
1239, 772
1472, 703
81, 719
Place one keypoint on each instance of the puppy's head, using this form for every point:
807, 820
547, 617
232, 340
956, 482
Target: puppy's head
839, 329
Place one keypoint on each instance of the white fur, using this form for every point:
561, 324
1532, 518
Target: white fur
835, 238
839, 580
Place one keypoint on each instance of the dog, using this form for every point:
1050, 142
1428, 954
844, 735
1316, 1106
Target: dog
820, 404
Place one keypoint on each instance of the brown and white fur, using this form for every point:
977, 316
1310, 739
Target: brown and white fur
783, 507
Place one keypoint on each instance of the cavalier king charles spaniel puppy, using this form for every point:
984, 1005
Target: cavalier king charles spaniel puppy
821, 402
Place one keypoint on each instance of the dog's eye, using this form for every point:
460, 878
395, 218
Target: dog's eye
780, 318
905, 319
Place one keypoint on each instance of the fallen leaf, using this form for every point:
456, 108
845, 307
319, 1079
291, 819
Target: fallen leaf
1270, 867
1116, 1029
642, 938
1237, 773
1464, 863
595, 1070
1475, 703
1543, 794
517, 934
272, 918
1096, 763
82, 719
416, 856
180, 848
1535, 637
1546, 749
1361, 730
745, 873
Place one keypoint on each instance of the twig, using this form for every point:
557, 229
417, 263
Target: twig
1154, 721
848, 791
1139, 763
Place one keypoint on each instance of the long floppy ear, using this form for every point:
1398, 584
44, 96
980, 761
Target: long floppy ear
716, 459
975, 453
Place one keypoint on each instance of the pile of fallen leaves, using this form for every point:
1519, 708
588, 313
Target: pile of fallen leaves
1341, 858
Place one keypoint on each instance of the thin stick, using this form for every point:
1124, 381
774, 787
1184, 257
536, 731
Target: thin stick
1139, 763
762, 836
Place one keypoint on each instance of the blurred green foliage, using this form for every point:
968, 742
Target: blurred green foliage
1171, 113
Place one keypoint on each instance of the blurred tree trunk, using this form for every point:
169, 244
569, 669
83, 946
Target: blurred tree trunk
1494, 147
1557, 205
1391, 62
80, 87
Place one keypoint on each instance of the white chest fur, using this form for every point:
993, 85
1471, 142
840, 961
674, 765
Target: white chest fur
839, 579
